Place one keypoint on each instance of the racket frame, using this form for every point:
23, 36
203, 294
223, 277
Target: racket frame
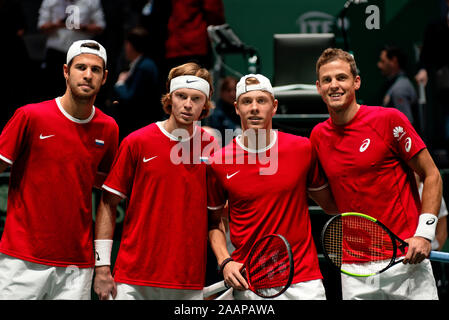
291, 269
221, 285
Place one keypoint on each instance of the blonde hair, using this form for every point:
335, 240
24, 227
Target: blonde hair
331, 54
193, 69
253, 80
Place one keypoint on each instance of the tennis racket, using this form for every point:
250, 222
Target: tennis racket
361, 246
268, 269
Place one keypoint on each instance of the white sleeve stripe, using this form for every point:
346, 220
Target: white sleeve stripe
216, 208
8, 161
118, 193
319, 188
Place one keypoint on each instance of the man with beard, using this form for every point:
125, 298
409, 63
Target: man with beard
58, 151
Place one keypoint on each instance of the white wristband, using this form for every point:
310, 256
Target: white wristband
103, 250
427, 225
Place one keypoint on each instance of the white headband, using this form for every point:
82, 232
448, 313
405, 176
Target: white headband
190, 82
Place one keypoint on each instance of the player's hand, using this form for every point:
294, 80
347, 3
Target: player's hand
421, 77
233, 277
104, 284
418, 249
123, 76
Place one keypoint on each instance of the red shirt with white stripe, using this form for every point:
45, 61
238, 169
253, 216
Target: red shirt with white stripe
267, 193
164, 237
365, 163
55, 159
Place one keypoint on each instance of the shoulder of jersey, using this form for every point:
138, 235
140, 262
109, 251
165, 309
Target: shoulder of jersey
295, 142
205, 135
100, 114
36, 110
220, 153
38, 106
290, 137
143, 132
379, 114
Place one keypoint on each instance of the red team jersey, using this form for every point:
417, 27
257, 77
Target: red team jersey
164, 237
267, 193
55, 159
365, 163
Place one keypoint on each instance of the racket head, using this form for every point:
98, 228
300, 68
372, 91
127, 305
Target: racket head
269, 268
358, 245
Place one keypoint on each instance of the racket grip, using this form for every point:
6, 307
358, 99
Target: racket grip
215, 288
439, 256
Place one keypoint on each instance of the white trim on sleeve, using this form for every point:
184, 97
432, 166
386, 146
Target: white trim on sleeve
118, 193
8, 161
216, 208
324, 186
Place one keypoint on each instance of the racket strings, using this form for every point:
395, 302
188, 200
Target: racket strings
262, 272
363, 246
268, 265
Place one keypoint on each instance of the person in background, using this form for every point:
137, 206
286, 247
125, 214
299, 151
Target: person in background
433, 74
137, 90
187, 38
64, 22
223, 116
12, 29
400, 92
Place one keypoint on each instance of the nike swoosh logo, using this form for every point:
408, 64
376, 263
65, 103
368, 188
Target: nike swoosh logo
191, 81
146, 160
45, 137
229, 176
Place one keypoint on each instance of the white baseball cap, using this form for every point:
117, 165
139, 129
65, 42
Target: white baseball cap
78, 48
264, 85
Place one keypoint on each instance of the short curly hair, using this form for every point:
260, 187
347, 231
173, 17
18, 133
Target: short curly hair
331, 54
193, 69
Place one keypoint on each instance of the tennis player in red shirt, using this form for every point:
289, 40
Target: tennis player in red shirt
266, 177
58, 151
369, 155
160, 171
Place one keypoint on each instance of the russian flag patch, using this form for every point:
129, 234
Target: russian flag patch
99, 142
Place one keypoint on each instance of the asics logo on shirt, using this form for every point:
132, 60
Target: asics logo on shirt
365, 145
148, 159
408, 144
42, 137
229, 176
